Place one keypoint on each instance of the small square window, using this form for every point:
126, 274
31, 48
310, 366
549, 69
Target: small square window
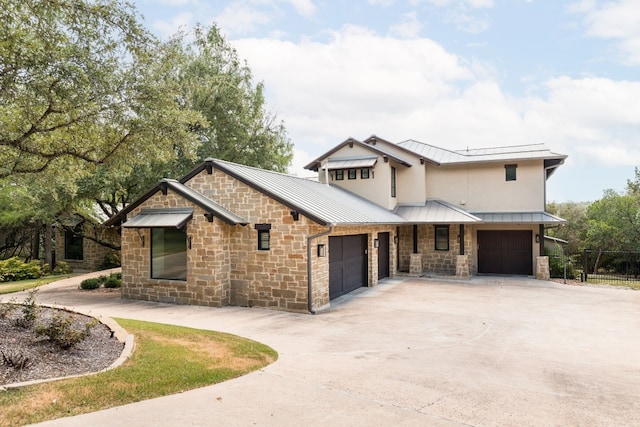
442, 237
339, 175
352, 174
510, 172
364, 173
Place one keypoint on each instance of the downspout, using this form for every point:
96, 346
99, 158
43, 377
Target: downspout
310, 267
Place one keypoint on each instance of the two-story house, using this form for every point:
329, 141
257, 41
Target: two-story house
227, 234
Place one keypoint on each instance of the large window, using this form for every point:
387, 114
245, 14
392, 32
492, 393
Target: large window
168, 254
393, 182
73, 245
442, 237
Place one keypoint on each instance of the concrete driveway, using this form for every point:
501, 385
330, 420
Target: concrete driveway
505, 351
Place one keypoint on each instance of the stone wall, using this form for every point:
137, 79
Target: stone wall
93, 253
433, 261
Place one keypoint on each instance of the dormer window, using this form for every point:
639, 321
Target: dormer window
364, 173
351, 173
339, 175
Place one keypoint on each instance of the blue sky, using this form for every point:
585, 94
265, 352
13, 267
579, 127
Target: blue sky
452, 73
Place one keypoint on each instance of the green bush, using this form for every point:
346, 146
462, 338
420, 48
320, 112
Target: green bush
91, 283
556, 268
30, 311
61, 332
111, 260
15, 269
112, 282
61, 268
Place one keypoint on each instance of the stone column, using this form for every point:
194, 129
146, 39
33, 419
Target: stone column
462, 267
415, 265
542, 268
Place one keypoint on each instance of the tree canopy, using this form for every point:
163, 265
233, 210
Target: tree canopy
94, 109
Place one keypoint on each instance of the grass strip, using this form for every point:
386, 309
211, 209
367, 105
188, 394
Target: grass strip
168, 359
22, 285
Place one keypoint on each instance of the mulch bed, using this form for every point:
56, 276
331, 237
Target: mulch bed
43, 358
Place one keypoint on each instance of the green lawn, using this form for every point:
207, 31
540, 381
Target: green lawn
167, 360
21, 285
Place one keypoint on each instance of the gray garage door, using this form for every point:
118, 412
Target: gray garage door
347, 264
505, 252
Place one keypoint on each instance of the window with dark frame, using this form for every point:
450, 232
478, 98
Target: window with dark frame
393, 182
364, 173
510, 172
73, 245
442, 237
339, 175
168, 253
264, 236
351, 174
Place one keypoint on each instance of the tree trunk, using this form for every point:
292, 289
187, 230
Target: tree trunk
595, 266
35, 242
48, 240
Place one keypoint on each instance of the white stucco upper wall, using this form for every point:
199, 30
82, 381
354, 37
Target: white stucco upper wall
482, 187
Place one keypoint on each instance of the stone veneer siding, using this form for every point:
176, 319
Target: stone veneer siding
440, 262
224, 265
93, 254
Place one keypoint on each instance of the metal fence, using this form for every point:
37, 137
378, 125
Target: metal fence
615, 267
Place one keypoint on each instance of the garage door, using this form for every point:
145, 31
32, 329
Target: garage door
505, 252
347, 264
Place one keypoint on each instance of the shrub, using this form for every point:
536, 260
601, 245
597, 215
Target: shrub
112, 282
30, 311
15, 360
15, 269
60, 330
90, 283
111, 260
61, 268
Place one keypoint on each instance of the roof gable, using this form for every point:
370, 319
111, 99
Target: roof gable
381, 151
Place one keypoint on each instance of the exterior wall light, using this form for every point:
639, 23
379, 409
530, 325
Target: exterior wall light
322, 250
537, 238
396, 239
376, 243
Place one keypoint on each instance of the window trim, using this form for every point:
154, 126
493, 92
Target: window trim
264, 237
351, 174
510, 172
393, 182
364, 175
437, 238
339, 175
152, 274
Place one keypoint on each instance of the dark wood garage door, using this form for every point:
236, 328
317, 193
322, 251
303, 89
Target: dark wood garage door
347, 264
505, 252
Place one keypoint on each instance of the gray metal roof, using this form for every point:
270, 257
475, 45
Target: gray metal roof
519, 217
493, 154
351, 162
435, 212
152, 218
325, 204
314, 165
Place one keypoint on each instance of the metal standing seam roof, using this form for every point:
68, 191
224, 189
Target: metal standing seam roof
493, 154
350, 141
156, 218
519, 217
351, 162
435, 212
325, 204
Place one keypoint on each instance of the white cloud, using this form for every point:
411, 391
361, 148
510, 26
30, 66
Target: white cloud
303, 7
410, 26
241, 18
619, 20
184, 20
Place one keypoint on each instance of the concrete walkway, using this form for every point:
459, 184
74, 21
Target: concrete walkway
485, 352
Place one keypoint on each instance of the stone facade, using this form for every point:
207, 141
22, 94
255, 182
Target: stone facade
224, 265
93, 253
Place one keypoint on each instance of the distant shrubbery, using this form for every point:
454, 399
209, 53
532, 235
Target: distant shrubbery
111, 260
112, 281
15, 269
